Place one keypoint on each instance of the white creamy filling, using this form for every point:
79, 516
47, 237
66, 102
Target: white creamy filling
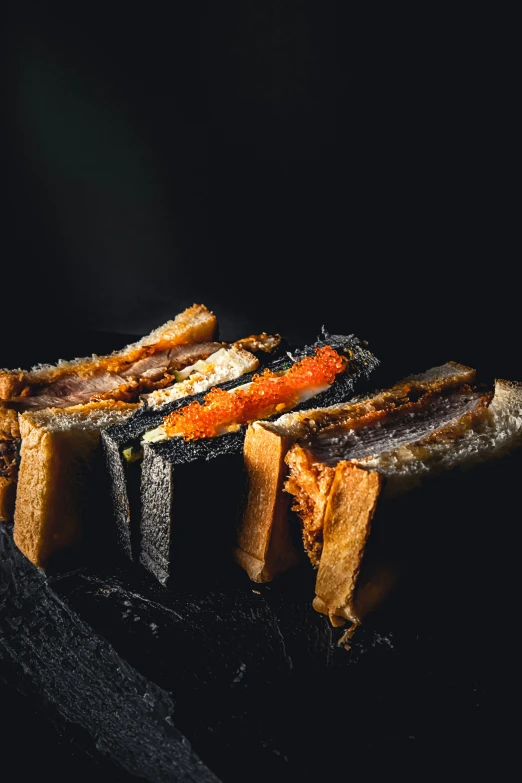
203, 365
221, 366
156, 435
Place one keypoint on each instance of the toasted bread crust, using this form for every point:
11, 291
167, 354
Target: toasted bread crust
57, 453
336, 507
347, 523
36, 516
264, 546
11, 383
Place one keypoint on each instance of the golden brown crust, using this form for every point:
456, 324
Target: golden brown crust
11, 384
43, 520
264, 543
83, 409
336, 506
347, 523
54, 476
9, 429
459, 375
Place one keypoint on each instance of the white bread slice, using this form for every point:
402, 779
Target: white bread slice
264, 547
261, 554
195, 324
350, 507
58, 452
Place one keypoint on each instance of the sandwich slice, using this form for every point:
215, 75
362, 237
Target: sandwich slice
61, 481
143, 367
343, 463
189, 455
122, 442
62, 496
148, 363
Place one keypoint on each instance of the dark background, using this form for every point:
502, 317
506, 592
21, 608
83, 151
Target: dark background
283, 162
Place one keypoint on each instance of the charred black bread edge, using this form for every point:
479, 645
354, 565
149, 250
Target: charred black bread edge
160, 460
125, 476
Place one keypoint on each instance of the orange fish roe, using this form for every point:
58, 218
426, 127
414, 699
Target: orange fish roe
266, 395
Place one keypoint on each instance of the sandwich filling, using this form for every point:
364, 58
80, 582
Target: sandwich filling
116, 380
8, 459
125, 379
223, 365
376, 433
9, 443
195, 325
267, 395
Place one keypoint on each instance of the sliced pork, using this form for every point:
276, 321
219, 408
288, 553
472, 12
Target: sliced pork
142, 376
385, 431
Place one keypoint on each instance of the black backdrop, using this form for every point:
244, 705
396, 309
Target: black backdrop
282, 162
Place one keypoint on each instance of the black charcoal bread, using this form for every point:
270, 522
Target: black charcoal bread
191, 491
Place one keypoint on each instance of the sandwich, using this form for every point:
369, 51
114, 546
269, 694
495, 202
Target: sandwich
227, 367
182, 462
58, 471
145, 366
344, 465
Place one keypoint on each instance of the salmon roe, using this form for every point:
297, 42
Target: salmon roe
266, 395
